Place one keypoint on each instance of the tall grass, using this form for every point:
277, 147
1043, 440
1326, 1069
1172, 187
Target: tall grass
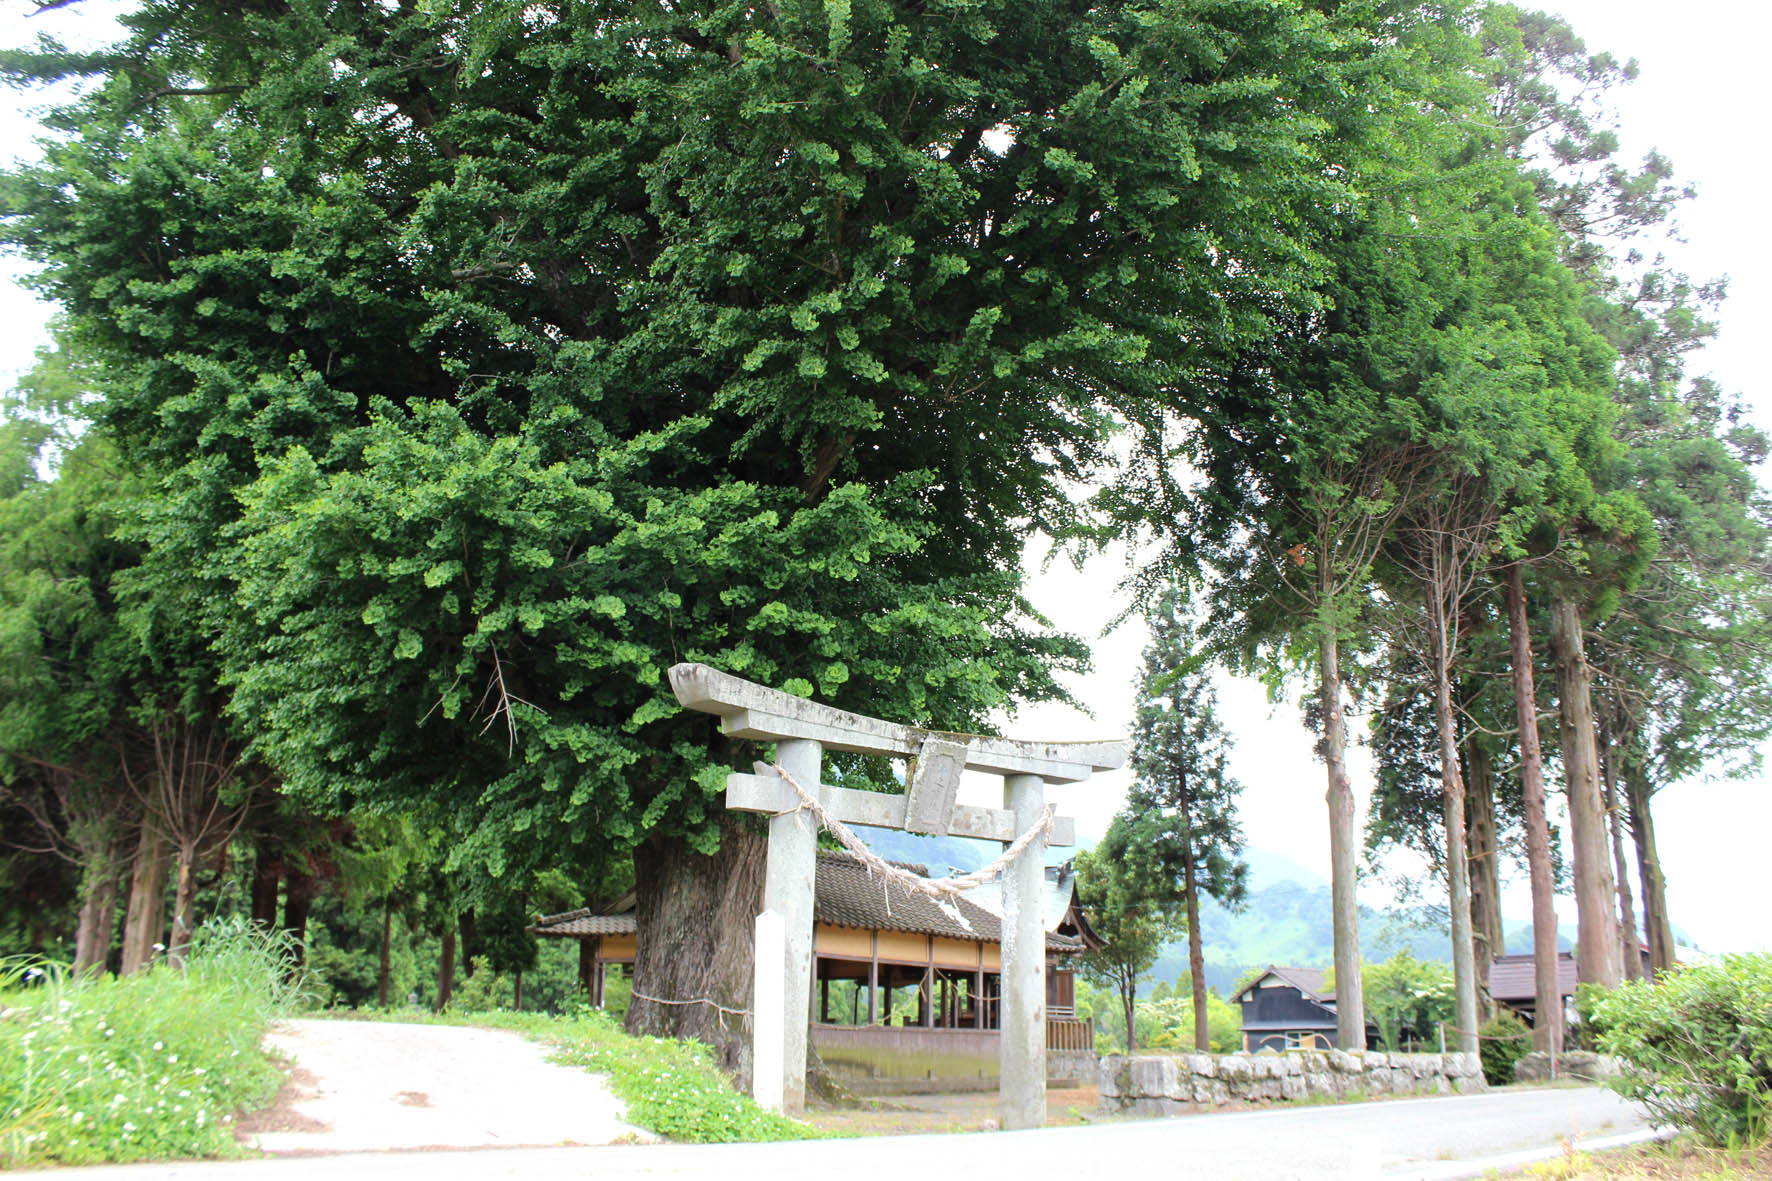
149, 1066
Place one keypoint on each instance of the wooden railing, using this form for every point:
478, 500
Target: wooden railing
1065, 1034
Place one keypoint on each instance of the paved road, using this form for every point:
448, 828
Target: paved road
1400, 1140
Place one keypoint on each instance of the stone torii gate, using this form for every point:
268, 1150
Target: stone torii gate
802, 731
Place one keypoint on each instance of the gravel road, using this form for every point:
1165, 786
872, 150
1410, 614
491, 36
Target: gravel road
375, 1085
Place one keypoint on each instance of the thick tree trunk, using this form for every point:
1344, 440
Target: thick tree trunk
144, 923
1485, 868
446, 970
98, 914
1547, 1031
298, 900
184, 905
587, 967
1350, 1007
1655, 917
1464, 968
697, 918
1598, 958
469, 926
267, 885
1630, 945
384, 973
1196, 950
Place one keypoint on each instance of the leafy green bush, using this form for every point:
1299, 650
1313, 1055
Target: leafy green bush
1697, 1047
1405, 997
482, 990
1501, 1043
670, 1087
151, 1066
1583, 1030
1167, 1023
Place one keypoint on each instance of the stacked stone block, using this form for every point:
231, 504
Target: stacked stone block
1169, 1084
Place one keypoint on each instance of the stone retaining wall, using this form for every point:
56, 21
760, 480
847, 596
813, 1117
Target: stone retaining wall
1072, 1067
1152, 1084
1580, 1064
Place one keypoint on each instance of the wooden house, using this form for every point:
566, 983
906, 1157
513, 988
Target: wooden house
905, 991
1512, 983
1290, 1009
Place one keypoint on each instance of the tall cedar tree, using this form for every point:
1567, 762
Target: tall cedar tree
1312, 451
1689, 462
1183, 801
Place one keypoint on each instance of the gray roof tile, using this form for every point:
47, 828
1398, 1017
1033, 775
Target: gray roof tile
1510, 978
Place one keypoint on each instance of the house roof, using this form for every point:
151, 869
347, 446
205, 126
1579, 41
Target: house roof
1308, 981
1059, 906
574, 923
1510, 978
845, 894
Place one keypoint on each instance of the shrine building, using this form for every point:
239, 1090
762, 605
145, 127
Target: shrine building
906, 992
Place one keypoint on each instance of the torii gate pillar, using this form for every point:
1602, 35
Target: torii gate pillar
788, 878
1021, 1059
802, 730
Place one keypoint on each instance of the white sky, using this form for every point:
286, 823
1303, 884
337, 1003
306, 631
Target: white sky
1697, 98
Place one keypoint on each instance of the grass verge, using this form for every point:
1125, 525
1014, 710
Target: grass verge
1683, 1158
671, 1087
147, 1067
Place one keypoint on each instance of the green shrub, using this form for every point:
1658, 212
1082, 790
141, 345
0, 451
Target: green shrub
1697, 1047
1583, 1031
482, 990
1405, 997
1501, 1043
1167, 1023
151, 1066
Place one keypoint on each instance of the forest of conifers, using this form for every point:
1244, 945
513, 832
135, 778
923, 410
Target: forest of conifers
431, 376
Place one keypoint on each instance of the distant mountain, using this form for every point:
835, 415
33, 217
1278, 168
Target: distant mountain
1268, 869
1290, 922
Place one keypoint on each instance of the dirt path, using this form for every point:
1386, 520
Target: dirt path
364, 1086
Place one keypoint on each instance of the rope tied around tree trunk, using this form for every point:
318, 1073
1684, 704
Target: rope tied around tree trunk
942, 891
700, 1000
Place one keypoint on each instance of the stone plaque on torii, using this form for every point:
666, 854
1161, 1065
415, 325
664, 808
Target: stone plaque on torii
802, 731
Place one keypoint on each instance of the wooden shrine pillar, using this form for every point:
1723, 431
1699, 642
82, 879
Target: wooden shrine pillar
874, 983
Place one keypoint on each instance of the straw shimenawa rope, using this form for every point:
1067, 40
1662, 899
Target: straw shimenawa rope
941, 890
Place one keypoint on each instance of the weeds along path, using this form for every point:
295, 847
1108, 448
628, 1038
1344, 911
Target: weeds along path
363, 1086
